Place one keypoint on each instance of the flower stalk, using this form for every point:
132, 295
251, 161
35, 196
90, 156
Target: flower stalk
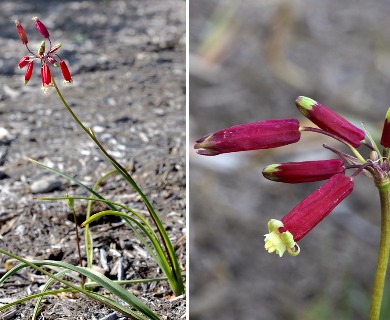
384, 247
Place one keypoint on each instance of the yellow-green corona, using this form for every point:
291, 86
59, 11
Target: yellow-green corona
280, 242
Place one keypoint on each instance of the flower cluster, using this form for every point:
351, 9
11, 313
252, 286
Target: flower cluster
44, 58
285, 233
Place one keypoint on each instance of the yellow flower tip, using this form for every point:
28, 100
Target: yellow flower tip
274, 225
280, 242
46, 88
273, 243
294, 251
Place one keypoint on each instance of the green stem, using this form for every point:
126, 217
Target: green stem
384, 247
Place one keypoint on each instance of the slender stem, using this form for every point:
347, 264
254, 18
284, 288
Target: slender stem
383, 258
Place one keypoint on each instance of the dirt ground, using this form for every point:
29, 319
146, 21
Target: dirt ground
127, 59
249, 60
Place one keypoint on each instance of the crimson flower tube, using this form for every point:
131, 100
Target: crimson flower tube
305, 171
252, 136
284, 234
330, 121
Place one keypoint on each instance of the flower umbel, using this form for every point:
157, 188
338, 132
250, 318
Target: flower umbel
42, 57
284, 234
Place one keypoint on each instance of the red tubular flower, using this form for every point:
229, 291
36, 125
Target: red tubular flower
65, 72
385, 140
284, 234
23, 62
46, 77
29, 71
306, 171
330, 121
21, 32
41, 28
252, 136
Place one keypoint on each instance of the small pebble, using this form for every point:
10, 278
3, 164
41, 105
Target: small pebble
98, 129
125, 243
5, 135
111, 316
45, 185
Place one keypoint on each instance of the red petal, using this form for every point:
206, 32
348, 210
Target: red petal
312, 210
23, 62
21, 32
29, 71
65, 71
41, 28
330, 121
385, 139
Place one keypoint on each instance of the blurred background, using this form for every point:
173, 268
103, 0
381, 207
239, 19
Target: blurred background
249, 60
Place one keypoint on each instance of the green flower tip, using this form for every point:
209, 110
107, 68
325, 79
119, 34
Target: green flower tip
41, 49
305, 104
268, 172
388, 115
278, 242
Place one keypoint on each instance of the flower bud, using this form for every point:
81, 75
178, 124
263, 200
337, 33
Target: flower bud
252, 136
52, 61
55, 49
284, 234
21, 32
41, 27
41, 50
65, 72
29, 71
23, 62
385, 140
330, 121
306, 171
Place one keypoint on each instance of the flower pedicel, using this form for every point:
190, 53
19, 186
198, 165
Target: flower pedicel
42, 57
